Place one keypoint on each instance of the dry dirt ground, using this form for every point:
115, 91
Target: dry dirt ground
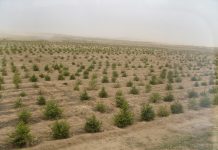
191, 130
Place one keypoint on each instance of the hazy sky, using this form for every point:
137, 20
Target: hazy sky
171, 21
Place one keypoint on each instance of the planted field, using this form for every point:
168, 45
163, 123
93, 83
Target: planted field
102, 96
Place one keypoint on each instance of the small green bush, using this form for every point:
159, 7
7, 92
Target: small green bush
100, 107
155, 98
205, 102
123, 118
169, 87
147, 88
103, 93
24, 115
134, 90
21, 136
192, 104
136, 78
41, 100
176, 108
22, 94
33, 78
35, 67
92, 125
192, 94
92, 84
153, 80
163, 111
196, 84
122, 103
147, 113
18, 103
105, 79
119, 93
215, 99
61, 77
84, 96
169, 97
72, 77
76, 87
60, 130
47, 78
129, 84
52, 110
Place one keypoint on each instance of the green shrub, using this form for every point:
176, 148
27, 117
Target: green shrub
113, 79
35, 67
24, 115
213, 90
66, 73
123, 118
196, 84
72, 77
170, 76
163, 111
41, 100
153, 80
205, 102
84, 96
1, 87
192, 104
194, 78
192, 94
52, 110
117, 85
147, 113
76, 87
169, 97
163, 73
60, 130
22, 94
122, 103
129, 84
92, 84
119, 93
176, 108
47, 78
101, 107
155, 98
169, 87
134, 90
61, 77
147, 88
18, 103
215, 99
21, 136
136, 78
178, 80
105, 79
33, 78
16, 80
41, 75
93, 125
46, 68
103, 93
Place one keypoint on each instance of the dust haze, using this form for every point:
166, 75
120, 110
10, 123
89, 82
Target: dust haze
188, 22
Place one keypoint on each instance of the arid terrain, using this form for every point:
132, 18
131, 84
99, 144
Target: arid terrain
143, 97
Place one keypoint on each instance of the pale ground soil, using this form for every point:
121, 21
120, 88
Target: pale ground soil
183, 132
192, 130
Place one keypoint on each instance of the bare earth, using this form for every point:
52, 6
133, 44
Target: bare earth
191, 130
